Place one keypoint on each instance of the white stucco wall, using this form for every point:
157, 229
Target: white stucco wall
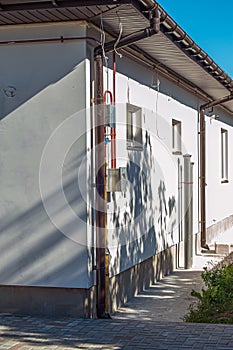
161, 101
50, 82
153, 181
219, 195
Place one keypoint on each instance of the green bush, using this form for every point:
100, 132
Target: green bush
215, 302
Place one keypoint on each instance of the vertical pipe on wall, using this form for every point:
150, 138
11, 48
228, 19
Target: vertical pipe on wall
203, 178
203, 163
188, 234
191, 210
107, 297
100, 189
179, 210
113, 130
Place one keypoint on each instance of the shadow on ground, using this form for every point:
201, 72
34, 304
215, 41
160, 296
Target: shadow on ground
143, 330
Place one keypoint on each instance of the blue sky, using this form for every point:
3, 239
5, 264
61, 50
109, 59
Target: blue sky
209, 23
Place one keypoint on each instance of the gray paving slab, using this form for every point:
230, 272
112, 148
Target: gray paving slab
152, 320
16, 334
167, 300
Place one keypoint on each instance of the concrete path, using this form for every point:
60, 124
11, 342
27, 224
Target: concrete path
166, 301
150, 321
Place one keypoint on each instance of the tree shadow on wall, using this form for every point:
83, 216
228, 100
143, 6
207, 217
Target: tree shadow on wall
142, 225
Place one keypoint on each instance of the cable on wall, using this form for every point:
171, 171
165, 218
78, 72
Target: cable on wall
119, 37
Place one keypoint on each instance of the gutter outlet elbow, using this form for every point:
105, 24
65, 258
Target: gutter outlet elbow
155, 21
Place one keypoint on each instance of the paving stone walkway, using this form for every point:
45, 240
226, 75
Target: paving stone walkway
168, 300
24, 333
150, 321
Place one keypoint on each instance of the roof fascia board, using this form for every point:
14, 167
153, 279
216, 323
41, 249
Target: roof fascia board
217, 72
172, 30
39, 5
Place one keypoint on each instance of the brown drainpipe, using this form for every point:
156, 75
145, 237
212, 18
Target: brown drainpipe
101, 216
100, 164
203, 164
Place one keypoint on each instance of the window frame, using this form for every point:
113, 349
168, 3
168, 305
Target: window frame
134, 135
224, 156
176, 136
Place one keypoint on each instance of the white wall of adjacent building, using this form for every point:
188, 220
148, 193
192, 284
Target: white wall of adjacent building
218, 192
162, 102
42, 86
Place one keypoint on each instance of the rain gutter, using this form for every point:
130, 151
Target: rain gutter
37, 5
183, 41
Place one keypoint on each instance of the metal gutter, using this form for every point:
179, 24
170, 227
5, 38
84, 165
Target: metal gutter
183, 41
203, 164
37, 5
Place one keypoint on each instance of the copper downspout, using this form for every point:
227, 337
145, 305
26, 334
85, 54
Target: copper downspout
100, 164
100, 167
113, 130
203, 178
107, 296
203, 164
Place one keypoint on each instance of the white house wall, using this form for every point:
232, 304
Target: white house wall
219, 194
42, 85
156, 167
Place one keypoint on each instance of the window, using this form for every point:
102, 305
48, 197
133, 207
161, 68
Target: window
176, 137
134, 127
224, 155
